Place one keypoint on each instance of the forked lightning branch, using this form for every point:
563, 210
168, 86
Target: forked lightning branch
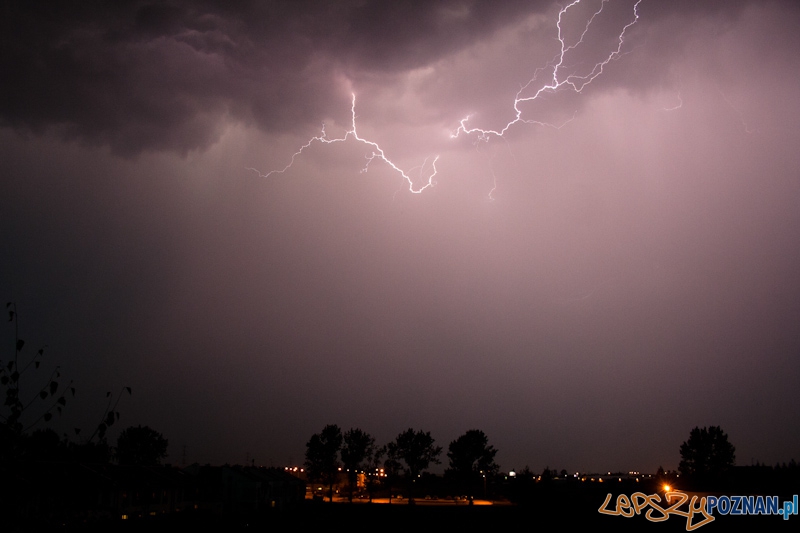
562, 77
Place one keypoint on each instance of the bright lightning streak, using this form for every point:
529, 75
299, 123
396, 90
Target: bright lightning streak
377, 153
559, 80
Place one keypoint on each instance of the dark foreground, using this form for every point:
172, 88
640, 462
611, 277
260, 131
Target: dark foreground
579, 511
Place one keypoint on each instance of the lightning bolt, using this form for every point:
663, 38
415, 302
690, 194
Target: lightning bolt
560, 79
377, 153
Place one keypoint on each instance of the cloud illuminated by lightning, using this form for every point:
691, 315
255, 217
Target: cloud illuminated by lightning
738, 112
377, 152
677, 106
560, 80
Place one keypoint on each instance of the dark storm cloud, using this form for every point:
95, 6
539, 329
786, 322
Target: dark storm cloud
141, 75
166, 75
676, 41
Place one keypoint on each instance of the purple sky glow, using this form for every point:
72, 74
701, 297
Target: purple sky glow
584, 291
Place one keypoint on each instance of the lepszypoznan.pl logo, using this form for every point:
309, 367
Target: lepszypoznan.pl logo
697, 510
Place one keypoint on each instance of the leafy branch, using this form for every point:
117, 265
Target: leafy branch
110, 415
11, 377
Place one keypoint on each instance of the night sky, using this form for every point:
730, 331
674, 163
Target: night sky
586, 289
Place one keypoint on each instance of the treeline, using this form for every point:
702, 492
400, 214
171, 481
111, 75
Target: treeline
42, 471
136, 445
399, 465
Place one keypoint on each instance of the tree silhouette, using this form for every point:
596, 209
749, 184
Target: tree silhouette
392, 467
374, 470
416, 451
357, 451
141, 446
46, 445
471, 460
322, 456
707, 454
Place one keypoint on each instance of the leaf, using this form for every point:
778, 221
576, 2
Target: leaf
77, 431
129, 391
108, 394
37, 363
11, 316
53, 387
110, 418
73, 390
58, 408
62, 401
10, 365
43, 394
47, 417
20, 344
4, 380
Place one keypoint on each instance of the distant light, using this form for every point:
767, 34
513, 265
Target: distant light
667, 488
